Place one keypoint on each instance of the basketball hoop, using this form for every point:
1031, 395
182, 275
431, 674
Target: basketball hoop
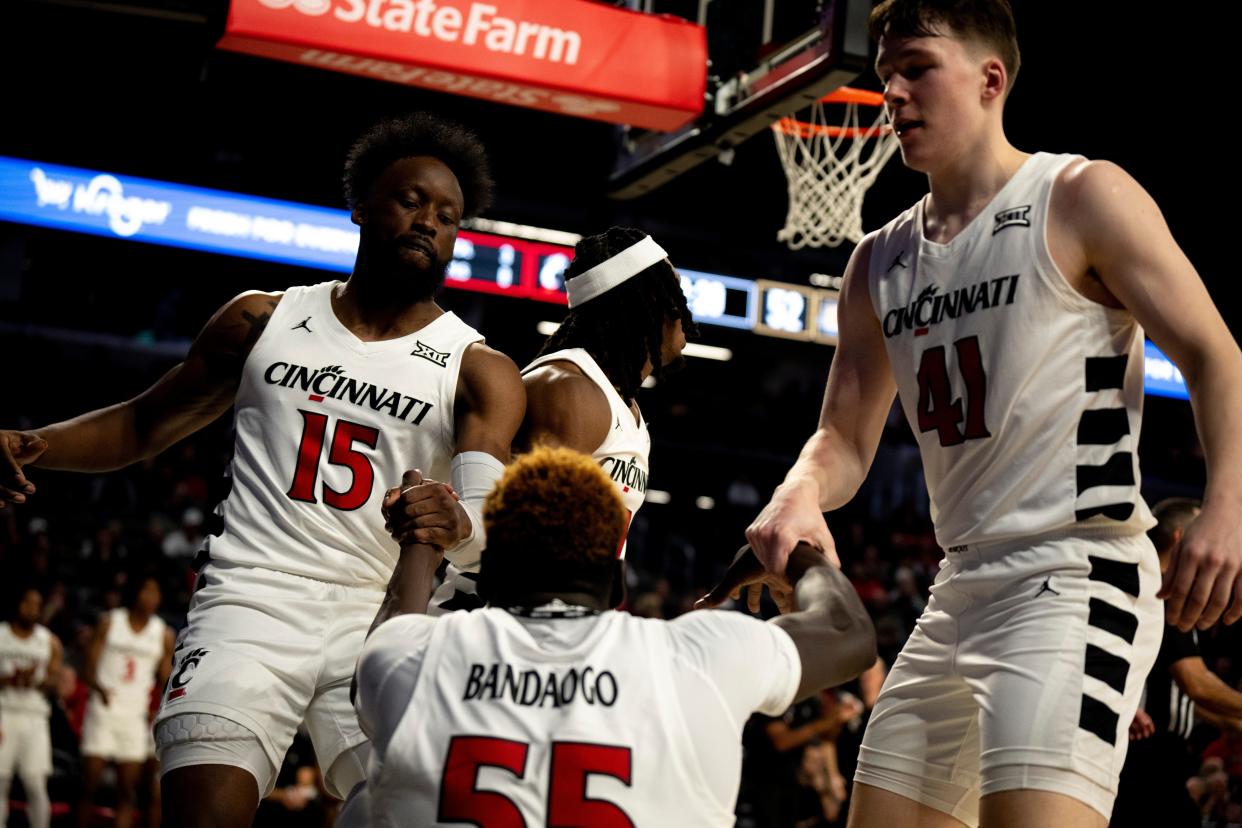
829, 168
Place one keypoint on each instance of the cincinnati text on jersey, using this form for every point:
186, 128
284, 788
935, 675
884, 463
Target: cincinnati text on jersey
530, 688
331, 382
931, 307
626, 473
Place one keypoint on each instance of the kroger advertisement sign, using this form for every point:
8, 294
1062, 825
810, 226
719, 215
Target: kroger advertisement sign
173, 214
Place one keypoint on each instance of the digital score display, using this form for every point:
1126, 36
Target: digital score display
506, 266
785, 310
479, 261
826, 329
720, 300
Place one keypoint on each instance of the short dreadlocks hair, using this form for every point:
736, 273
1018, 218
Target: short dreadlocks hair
624, 327
420, 134
987, 21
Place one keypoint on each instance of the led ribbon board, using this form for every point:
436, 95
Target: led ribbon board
1161, 378
720, 300
177, 215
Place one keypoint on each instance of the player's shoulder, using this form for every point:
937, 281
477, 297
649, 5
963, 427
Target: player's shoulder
482, 366
860, 259
557, 367
562, 385
399, 639
561, 380
1083, 184
481, 356
489, 375
400, 630
242, 317
725, 629
734, 649
253, 302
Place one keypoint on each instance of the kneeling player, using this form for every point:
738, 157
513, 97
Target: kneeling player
549, 708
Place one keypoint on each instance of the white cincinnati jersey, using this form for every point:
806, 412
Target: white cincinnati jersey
17, 653
590, 720
624, 452
128, 662
1025, 396
325, 424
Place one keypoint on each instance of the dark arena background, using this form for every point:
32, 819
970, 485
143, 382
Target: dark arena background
96, 306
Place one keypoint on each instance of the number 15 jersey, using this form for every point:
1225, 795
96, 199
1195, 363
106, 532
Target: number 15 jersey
325, 424
1025, 396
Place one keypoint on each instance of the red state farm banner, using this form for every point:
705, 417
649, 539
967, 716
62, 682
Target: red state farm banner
573, 57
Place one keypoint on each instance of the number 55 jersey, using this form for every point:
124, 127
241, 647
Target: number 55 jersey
1025, 396
325, 424
560, 716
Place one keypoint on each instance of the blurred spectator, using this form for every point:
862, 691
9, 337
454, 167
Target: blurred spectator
782, 785
184, 541
647, 605
299, 799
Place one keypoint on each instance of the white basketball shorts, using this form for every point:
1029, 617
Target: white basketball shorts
117, 735
1023, 672
25, 744
270, 651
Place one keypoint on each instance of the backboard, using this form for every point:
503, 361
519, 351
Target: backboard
829, 50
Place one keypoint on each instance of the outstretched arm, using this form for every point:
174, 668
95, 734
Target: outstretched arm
1206, 688
829, 625
835, 461
188, 397
1126, 242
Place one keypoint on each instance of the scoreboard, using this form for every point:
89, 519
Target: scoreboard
797, 312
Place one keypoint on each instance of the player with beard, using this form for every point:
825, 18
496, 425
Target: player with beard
627, 320
338, 387
30, 658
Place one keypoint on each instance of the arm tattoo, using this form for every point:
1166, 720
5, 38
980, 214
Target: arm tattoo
257, 326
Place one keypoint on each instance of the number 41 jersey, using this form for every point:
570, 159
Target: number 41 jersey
1025, 396
325, 423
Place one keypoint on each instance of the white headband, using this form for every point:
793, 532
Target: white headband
614, 271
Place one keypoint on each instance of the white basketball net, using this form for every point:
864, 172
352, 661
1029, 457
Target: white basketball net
828, 172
